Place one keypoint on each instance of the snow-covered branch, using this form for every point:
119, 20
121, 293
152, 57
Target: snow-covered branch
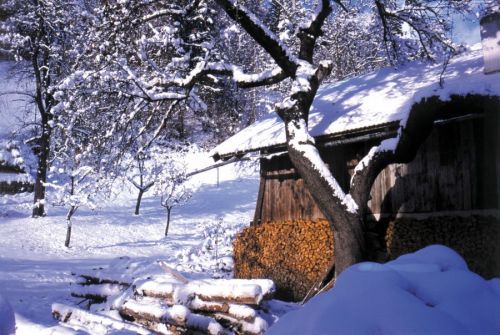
262, 35
310, 32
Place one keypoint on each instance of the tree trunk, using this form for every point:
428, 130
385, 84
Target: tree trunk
41, 174
71, 211
349, 242
169, 209
138, 203
68, 234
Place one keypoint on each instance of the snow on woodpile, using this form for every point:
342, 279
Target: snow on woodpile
373, 99
160, 299
428, 292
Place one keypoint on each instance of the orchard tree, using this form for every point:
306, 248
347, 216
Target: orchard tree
75, 185
43, 36
142, 170
157, 58
408, 30
172, 188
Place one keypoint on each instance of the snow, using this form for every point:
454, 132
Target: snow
242, 311
7, 321
428, 292
373, 99
36, 269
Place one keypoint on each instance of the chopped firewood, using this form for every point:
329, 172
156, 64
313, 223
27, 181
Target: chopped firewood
294, 263
79, 317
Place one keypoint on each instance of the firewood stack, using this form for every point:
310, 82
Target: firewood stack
475, 238
168, 303
294, 255
97, 290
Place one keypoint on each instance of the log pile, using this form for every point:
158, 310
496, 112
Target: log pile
475, 238
215, 306
168, 303
293, 254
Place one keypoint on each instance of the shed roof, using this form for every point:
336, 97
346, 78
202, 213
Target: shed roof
375, 99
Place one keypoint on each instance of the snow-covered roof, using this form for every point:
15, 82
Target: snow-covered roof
378, 98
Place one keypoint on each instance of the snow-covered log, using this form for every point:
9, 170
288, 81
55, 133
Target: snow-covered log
95, 280
79, 317
150, 312
257, 327
99, 292
237, 291
160, 299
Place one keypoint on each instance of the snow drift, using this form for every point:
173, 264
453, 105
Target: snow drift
428, 292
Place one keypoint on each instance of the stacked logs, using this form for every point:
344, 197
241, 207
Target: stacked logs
171, 304
97, 290
475, 238
293, 254
215, 307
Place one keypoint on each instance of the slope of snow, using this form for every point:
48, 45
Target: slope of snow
428, 292
377, 98
36, 269
7, 321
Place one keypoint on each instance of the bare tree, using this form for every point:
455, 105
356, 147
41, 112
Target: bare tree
173, 191
139, 179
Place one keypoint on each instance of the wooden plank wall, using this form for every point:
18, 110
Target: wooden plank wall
456, 169
284, 195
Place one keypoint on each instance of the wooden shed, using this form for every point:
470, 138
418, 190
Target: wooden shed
453, 180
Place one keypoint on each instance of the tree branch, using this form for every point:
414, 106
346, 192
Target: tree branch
310, 34
265, 38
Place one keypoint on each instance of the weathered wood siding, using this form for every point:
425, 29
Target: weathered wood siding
456, 169
283, 194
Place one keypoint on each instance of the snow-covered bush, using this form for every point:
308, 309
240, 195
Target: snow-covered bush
7, 319
74, 185
214, 254
428, 292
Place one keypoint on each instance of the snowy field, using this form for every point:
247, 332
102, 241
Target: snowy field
35, 267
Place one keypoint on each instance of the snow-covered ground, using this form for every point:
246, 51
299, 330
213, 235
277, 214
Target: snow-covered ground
428, 292
36, 269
